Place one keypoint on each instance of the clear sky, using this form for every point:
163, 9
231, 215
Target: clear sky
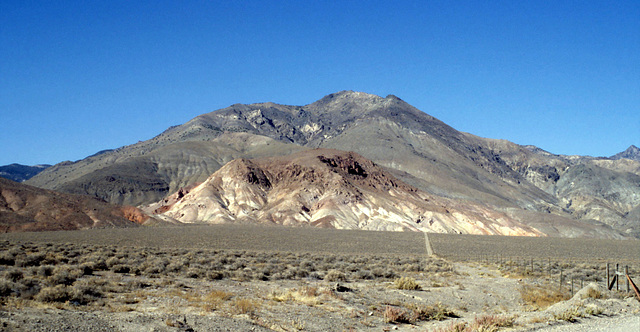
77, 77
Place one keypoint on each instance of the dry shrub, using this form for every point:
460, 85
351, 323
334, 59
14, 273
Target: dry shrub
280, 296
593, 293
87, 268
364, 275
540, 297
396, 315
406, 283
435, 312
308, 291
491, 323
121, 268
64, 275
29, 287
7, 258
379, 272
195, 273
454, 327
111, 261
58, 293
570, 315
307, 295
245, 306
593, 310
335, 275
85, 292
6, 287
13, 274
45, 270
215, 275
415, 313
486, 323
214, 299
30, 260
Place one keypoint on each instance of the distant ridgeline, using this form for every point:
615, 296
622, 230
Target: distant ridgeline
20, 173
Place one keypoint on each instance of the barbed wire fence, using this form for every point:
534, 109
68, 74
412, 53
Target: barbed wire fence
569, 273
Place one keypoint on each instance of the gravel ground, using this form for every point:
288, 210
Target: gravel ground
35, 320
609, 324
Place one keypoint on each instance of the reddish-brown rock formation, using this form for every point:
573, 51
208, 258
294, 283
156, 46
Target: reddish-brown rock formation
26, 208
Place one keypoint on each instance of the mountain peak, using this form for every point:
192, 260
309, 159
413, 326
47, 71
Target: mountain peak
633, 153
347, 96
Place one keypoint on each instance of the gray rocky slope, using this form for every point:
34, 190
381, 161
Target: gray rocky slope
546, 191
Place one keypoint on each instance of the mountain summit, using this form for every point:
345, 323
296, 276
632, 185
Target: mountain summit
529, 185
633, 153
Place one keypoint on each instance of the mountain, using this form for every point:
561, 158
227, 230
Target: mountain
633, 153
26, 208
527, 183
21, 173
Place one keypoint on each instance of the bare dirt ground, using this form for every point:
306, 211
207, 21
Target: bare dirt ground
50, 285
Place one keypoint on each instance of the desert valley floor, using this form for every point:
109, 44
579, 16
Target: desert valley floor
247, 277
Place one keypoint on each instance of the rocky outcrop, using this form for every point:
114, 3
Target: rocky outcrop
327, 188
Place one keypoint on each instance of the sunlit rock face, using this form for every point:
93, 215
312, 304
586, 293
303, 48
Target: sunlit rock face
327, 188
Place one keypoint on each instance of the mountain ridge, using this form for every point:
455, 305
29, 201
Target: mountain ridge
20, 173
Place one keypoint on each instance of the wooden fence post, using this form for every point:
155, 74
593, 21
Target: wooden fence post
626, 272
571, 286
617, 279
531, 265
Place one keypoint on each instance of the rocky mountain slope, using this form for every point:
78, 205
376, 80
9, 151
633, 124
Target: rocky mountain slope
416, 148
21, 173
26, 208
327, 188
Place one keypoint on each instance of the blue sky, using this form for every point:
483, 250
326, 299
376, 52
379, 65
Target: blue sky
77, 77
